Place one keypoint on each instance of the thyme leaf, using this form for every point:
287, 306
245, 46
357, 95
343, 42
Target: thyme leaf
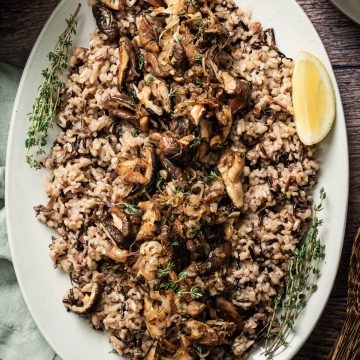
213, 175
162, 272
141, 61
130, 208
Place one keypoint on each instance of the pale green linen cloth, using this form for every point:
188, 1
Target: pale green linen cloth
19, 337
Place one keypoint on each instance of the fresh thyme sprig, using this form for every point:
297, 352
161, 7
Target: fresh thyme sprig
162, 272
172, 92
141, 61
213, 175
194, 292
47, 99
130, 208
196, 143
303, 271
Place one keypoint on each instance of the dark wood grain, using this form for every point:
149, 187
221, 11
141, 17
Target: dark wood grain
341, 37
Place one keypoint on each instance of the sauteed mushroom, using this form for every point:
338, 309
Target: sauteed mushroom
231, 167
106, 22
88, 302
147, 36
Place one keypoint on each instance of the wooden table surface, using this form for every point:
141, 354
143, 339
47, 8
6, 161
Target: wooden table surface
21, 22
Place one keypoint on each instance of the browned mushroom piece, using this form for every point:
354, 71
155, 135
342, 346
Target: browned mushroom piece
158, 70
156, 318
170, 146
211, 67
177, 150
126, 115
242, 97
113, 233
127, 170
231, 167
147, 36
180, 126
218, 30
224, 118
106, 21
160, 92
88, 302
155, 3
183, 352
151, 164
152, 354
180, 60
114, 4
127, 61
121, 221
212, 333
196, 112
143, 96
122, 100
165, 239
217, 258
150, 220
192, 308
174, 171
225, 306
141, 170
119, 255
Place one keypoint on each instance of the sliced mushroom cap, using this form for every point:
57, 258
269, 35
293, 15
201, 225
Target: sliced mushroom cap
180, 126
242, 97
157, 69
114, 4
127, 61
127, 170
152, 354
156, 318
106, 21
121, 221
122, 100
173, 171
155, 3
196, 112
217, 258
151, 164
126, 115
150, 220
119, 255
161, 93
147, 36
180, 61
229, 309
231, 167
224, 118
141, 170
209, 334
170, 146
89, 301
231, 84
144, 98
113, 233
182, 353
192, 308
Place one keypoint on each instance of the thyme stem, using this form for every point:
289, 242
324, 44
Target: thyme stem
47, 99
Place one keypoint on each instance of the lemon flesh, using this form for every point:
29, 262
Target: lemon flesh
313, 99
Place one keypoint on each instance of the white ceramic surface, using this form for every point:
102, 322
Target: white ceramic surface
349, 7
43, 287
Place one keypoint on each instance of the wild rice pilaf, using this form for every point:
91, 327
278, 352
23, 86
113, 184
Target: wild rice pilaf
179, 187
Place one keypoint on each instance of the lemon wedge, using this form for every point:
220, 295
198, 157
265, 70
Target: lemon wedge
313, 99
